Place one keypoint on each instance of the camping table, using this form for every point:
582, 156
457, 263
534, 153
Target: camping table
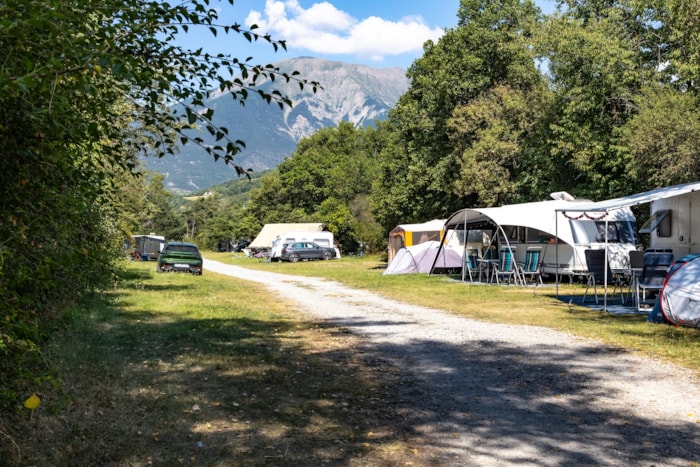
486, 266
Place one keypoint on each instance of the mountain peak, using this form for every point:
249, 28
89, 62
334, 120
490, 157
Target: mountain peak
350, 92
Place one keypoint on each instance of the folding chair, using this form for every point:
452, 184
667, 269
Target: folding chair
471, 264
599, 274
506, 267
656, 265
531, 266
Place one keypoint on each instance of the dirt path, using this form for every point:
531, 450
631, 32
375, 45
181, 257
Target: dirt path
488, 394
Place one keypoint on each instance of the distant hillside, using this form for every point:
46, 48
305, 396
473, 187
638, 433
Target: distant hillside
355, 93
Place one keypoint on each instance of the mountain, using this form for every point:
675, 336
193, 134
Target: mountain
356, 93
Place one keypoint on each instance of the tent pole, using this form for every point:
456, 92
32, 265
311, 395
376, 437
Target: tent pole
605, 277
442, 241
512, 254
556, 252
465, 258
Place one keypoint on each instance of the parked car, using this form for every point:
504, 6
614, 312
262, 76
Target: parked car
180, 257
306, 251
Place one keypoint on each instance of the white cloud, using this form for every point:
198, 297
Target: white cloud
324, 29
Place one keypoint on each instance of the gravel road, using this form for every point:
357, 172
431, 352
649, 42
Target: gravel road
488, 394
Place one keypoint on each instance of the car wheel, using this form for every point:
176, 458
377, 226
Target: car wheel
327, 255
293, 257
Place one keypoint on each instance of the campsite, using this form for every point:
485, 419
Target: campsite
564, 335
558, 239
240, 372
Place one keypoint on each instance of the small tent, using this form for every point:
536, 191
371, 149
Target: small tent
405, 235
679, 301
421, 258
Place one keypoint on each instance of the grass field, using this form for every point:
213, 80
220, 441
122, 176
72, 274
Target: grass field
172, 369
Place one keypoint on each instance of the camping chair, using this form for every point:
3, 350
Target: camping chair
470, 262
599, 274
653, 275
636, 261
531, 266
506, 267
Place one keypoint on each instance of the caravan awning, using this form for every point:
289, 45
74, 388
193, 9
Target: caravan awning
540, 215
636, 199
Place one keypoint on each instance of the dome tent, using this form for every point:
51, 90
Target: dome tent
421, 258
679, 301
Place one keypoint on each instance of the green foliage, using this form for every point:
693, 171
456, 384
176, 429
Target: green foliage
85, 86
489, 48
663, 139
495, 137
321, 180
594, 51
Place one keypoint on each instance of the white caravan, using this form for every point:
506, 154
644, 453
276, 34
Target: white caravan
674, 221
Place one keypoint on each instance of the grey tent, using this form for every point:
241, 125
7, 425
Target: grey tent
420, 259
679, 301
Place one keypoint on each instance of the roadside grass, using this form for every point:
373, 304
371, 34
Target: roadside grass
505, 304
175, 369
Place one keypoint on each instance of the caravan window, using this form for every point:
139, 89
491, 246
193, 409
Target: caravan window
661, 221
511, 232
422, 237
612, 235
586, 231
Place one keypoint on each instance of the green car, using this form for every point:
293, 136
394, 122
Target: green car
180, 257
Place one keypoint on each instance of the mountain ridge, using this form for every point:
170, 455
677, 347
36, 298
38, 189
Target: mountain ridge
356, 93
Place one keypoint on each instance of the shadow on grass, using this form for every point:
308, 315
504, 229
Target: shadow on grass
214, 392
250, 392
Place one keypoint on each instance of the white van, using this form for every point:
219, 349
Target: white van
320, 238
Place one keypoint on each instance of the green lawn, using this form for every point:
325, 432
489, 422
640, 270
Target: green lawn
174, 369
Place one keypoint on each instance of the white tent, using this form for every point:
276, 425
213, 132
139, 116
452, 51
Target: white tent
421, 258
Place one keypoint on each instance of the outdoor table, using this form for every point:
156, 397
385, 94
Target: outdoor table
486, 266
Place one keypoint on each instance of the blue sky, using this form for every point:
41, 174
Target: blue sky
380, 33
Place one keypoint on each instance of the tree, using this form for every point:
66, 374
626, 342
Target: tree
598, 57
663, 139
322, 178
85, 86
490, 47
497, 140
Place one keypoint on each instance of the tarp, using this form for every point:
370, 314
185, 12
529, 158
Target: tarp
680, 297
420, 258
271, 231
